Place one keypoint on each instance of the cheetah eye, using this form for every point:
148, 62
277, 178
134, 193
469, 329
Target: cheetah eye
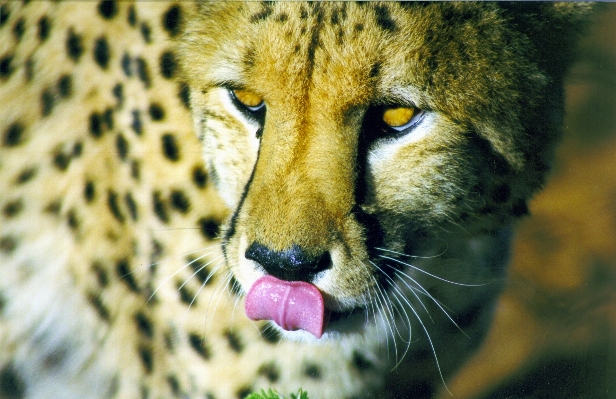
401, 118
249, 100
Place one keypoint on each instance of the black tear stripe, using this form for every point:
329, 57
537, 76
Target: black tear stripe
233, 222
374, 231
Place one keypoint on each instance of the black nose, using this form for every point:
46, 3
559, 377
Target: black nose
294, 264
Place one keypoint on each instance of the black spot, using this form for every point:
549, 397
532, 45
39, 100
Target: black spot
136, 123
209, 228
160, 208
358, 27
376, 68
65, 86
118, 93
520, 208
269, 334
61, 160
383, 19
43, 28
101, 52
243, 392
5, 66
7, 244
89, 191
312, 371
13, 208
98, 305
4, 14
200, 270
144, 325
96, 128
54, 207
199, 176
132, 16
269, 371
282, 17
174, 384
335, 18
501, 194
234, 286
11, 384
132, 206
234, 341
135, 169
107, 118
19, 29
101, 274
74, 46
168, 65
172, 20
186, 296
179, 201
126, 275
127, 65
13, 135
156, 112
114, 206
55, 358
199, 345
121, 146
361, 363
155, 253
303, 14
107, 9
170, 147
47, 102
77, 149
262, 15
146, 32
143, 71
145, 354
26, 175
184, 95
72, 219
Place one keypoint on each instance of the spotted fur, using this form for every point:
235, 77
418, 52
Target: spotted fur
114, 284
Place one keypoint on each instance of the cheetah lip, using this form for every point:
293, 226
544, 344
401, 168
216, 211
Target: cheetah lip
293, 305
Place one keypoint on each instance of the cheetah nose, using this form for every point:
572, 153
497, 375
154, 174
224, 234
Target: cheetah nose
294, 264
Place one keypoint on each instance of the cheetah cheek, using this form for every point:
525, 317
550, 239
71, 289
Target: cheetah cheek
293, 305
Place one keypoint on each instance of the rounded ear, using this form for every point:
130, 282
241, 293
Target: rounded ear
553, 27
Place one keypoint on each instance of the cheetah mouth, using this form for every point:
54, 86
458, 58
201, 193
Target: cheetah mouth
292, 305
297, 305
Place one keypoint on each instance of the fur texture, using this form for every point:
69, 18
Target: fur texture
113, 281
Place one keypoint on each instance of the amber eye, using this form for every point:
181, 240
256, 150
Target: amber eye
400, 117
248, 99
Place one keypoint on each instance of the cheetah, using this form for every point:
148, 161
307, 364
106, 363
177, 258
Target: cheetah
203, 199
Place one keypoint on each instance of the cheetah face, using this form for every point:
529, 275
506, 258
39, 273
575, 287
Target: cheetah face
344, 147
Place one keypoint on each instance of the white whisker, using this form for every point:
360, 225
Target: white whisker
430, 274
176, 272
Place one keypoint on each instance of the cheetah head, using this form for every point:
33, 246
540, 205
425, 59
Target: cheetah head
347, 137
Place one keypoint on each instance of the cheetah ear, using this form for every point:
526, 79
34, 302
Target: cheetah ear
553, 27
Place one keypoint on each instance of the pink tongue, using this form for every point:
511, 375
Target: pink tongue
293, 305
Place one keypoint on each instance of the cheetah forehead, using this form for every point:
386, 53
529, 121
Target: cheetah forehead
444, 57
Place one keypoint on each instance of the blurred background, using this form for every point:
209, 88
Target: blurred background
554, 334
